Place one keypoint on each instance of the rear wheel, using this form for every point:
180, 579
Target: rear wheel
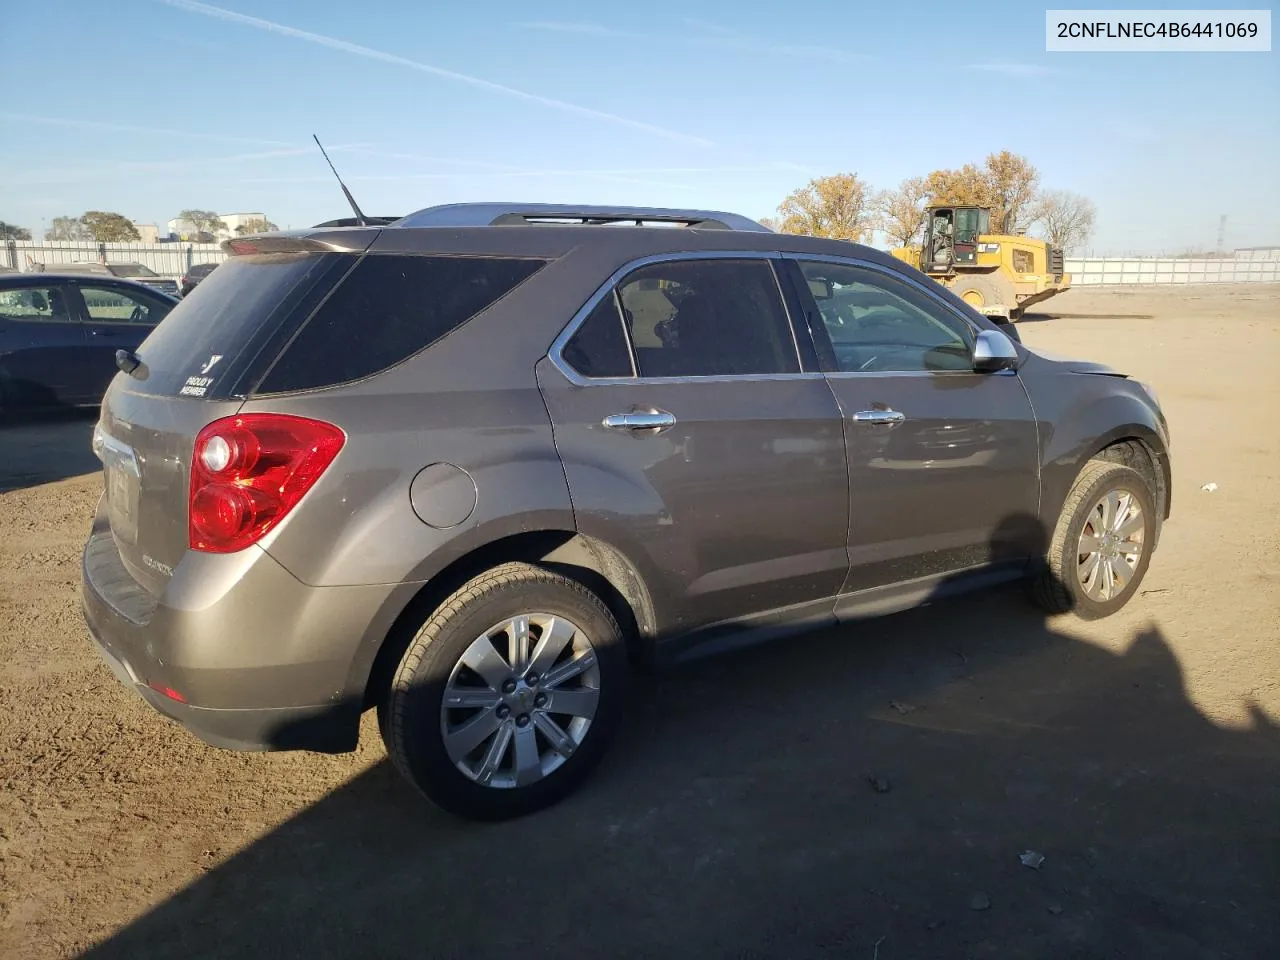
509, 694
982, 291
1102, 543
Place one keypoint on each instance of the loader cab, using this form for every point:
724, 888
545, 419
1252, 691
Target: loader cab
951, 236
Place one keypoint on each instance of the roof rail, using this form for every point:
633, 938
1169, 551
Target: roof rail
506, 214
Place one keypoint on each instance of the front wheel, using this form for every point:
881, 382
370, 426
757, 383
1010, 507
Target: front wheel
1102, 543
509, 694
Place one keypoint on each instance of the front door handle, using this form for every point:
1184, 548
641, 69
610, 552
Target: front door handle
640, 420
879, 416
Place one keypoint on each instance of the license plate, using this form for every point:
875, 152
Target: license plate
122, 482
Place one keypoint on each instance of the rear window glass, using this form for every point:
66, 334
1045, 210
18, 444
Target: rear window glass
131, 270
203, 347
386, 310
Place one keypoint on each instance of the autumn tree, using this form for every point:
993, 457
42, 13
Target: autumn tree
1012, 182
1064, 218
966, 187
901, 211
67, 228
10, 232
106, 227
836, 207
1006, 183
257, 225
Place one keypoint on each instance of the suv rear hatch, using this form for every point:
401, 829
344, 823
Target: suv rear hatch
197, 366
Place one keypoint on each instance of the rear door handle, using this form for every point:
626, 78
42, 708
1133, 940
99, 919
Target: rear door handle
879, 416
655, 420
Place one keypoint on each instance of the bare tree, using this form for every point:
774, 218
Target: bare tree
256, 225
836, 207
207, 223
901, 211
67, 228
773, 223
1065, 219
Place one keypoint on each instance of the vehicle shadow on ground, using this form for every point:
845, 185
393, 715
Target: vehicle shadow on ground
812, 797
44, 447
1034, 316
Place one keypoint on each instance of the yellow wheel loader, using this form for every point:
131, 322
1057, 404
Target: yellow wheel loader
999, 274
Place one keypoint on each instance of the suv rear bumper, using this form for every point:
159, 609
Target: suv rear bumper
319, 729
251, 657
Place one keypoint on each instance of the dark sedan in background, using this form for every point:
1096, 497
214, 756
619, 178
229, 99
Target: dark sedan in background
59, 334
137, 272
192, 277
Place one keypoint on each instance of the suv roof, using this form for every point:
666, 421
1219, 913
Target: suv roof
552, 231
524, 214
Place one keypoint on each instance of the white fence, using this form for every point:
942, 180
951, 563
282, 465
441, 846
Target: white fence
167, 259
174, 259
1162, 270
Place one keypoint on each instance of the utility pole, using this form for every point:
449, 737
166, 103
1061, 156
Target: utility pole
1222, 232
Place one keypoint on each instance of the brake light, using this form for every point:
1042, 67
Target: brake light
249, 471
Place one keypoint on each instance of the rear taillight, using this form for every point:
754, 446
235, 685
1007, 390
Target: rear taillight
248, 472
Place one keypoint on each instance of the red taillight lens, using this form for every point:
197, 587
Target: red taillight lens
248, 472
169, 692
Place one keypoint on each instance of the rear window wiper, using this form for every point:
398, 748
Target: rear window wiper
129, 362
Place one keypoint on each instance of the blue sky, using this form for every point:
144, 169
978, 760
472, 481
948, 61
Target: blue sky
151, 106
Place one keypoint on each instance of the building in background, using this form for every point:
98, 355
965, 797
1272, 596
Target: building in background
147, 232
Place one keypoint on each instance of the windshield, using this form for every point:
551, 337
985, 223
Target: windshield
131, 270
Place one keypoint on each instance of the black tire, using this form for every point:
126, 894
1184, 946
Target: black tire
990, 287
1057, 589
410, 713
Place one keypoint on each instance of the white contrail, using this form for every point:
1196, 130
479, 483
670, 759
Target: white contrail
194, 6
126, 128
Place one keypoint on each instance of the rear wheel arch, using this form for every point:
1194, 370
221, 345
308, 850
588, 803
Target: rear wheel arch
599, 566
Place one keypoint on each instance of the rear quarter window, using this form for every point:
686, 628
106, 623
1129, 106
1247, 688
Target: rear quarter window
212, 338
386, 310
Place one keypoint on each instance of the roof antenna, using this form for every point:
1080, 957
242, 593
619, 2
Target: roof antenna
361, 219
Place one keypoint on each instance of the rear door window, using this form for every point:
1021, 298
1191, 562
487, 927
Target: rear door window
387, 309
110, 305
699, 318
35, 304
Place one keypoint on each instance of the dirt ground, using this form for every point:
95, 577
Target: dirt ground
734, 818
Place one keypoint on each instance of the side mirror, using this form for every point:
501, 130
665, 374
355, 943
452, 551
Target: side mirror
994, 351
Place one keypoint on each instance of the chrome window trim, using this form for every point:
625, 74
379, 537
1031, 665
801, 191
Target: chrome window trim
931, 295
576, 378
